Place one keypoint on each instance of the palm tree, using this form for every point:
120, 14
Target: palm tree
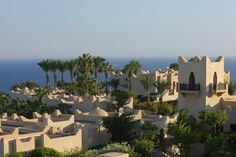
62, 68
72, 66
98, 63
174, 66
86, 63
162, 86
133, 67
54, 68
107, 68
40, 93
147, 83
45, 65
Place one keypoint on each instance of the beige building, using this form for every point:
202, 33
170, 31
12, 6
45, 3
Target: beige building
203, 83
167, 74
19, 134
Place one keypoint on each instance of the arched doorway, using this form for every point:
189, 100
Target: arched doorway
191, 81
214, 81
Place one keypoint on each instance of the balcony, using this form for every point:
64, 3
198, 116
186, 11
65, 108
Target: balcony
218, 88
189, 88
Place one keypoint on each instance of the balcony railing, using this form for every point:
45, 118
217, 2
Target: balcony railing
218, 87
189, 87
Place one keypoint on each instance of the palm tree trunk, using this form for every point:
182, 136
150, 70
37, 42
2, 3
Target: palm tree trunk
130, 84
161, 99
41, 100
62, 78
47, 78
55, 78
96, 75
106, 76
148, 98
72, 76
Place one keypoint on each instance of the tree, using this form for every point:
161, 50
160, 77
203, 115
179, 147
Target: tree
62, 66
147, 83
218, 146
114, 83
231, 88
54, 67
98, 63
174, 66
149, 132
72, 66
183, 136
86, 63
213, 120
45, 65
64, 108
4, 101
122, 127
165, 109
107, 68
162, 86
40, 93
144, 147
120, 98
132, 68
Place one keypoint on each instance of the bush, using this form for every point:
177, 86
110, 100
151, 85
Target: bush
45, 152
149, 132
20, 154
119, 147
143, 147
77, 152
165, 109
29, 84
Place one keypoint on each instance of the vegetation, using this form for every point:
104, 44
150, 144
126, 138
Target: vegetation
143, 147
28, 84
132, 68
45, 152
165, 109
188, 131
147, 83
19, 154
150, 132
162, 86
40, 93
122, 127
220, 146
174, 66
231, 88
120, 98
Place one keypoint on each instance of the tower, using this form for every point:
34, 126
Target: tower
202, 83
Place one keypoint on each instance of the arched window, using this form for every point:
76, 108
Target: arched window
174, 85
191, 81
214, 81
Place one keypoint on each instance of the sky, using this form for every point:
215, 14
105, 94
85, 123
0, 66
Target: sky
31, 29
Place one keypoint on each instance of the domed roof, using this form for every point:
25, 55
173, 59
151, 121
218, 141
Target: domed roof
98, 112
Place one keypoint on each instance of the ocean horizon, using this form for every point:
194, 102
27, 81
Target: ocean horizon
16, 71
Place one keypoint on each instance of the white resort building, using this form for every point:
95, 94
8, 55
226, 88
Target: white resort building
169, 75
204, 84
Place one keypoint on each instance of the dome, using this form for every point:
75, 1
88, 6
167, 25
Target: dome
98, 112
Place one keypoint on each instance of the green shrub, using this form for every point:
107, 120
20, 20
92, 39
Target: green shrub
119, 147
165, 109
45, 152
20, 154
144, 147
77, 152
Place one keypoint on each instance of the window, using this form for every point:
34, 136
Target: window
214, 81
191, 81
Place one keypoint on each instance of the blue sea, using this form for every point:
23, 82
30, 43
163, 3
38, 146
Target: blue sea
15, 71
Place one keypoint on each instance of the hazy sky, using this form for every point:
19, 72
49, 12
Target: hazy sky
117, 28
